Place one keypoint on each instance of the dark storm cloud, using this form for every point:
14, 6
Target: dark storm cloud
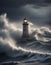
6, 5
39, 13
17, 3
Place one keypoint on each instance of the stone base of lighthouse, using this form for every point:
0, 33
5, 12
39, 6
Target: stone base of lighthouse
26, 40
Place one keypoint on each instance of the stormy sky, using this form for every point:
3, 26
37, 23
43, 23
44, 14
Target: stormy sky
12, 13
36, 11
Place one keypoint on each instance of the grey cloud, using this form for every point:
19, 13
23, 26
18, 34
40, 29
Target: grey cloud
17, 3
11, 6
37, 14
40, 15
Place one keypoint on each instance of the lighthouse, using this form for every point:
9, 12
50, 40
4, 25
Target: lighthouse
25, 28
26, 37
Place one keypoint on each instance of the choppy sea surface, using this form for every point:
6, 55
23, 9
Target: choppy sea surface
36, 52
32, 53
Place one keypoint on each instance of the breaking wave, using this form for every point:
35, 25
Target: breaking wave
35, 52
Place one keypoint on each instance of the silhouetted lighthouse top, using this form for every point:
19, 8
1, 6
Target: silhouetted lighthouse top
25, 28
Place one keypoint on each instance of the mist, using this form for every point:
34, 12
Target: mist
10, 32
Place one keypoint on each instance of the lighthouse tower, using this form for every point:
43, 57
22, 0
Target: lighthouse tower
25, 28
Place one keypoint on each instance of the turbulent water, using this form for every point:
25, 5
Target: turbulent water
33, 53
36, 52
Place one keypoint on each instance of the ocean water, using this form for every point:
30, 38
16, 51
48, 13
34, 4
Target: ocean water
36, 52
32, 53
